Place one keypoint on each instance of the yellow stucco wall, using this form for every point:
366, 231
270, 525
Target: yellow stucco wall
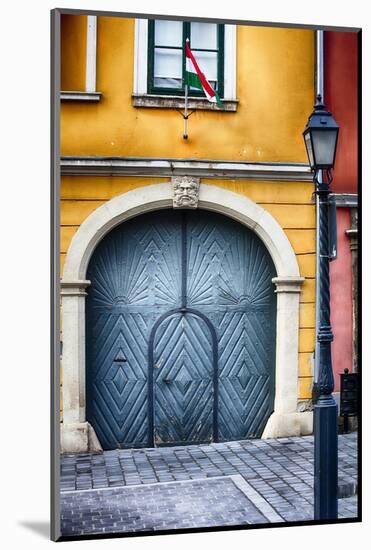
275, 89
73, 52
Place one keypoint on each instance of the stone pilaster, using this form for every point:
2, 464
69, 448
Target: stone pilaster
285, 420
76, 434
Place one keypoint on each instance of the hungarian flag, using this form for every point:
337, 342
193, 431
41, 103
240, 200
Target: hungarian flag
196, 79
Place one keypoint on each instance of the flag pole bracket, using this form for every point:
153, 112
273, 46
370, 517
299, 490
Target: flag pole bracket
185, 116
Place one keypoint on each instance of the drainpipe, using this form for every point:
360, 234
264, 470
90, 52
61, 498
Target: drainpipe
320, 89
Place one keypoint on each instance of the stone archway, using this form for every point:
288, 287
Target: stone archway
77, 435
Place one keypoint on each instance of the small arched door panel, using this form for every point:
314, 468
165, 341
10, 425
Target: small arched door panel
184, 372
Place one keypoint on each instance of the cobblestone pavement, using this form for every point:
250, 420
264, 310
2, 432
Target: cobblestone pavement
279, 470
220, 501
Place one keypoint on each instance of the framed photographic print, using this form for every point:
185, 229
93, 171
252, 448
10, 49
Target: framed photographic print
205, 221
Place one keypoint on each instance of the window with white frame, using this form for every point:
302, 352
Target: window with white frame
159, 64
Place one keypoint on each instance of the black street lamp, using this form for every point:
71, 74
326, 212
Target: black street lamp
320, 137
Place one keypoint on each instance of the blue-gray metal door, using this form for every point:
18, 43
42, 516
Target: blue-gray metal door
180, 332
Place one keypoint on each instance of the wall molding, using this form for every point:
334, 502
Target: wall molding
74, 288
177, 102
288, 284
80, 96
167, 167
345, 200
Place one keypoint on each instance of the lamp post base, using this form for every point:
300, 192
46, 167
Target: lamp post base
325, 459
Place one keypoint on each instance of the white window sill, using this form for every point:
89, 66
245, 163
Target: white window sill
177, 102
80, 96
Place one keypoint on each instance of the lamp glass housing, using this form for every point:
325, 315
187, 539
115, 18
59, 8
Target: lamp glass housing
324, 147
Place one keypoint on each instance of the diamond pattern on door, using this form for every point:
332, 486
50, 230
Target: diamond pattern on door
183, 381
117, 382
230, 281
245, 376
135, 276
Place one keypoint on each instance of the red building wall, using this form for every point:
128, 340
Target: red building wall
341, 300
341, 65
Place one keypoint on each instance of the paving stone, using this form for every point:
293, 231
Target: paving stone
280, 470
187, 506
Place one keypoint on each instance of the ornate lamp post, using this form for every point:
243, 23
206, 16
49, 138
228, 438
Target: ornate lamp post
320, 137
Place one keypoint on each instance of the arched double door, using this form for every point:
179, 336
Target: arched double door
181, 316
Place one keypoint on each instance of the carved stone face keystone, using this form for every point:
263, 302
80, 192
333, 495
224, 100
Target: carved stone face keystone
186, 191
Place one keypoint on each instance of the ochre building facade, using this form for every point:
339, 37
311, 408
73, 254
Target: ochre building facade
122, 154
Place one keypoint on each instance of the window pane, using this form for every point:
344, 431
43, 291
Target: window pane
175, 83
168, 33
168, 69
204, 35
208, 63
